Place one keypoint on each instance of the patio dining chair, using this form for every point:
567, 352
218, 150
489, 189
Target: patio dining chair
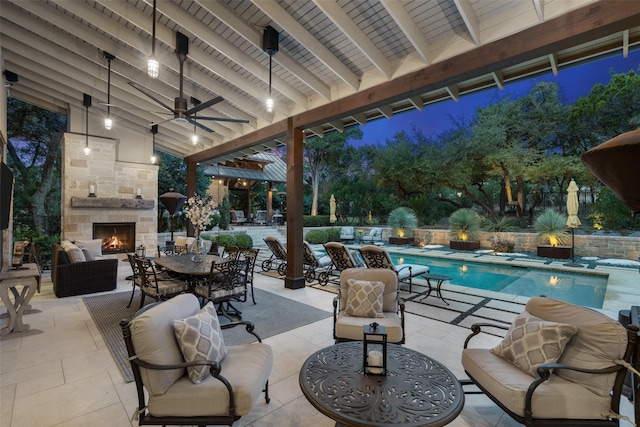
376, 257
347, 233
314, 264
156, 285
227, 282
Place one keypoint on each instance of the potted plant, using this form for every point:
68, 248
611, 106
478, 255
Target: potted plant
402, 221
464, 226
551, 227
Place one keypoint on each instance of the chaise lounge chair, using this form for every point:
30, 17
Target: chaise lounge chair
341, 259
313, 263
375, 235
376, 257
278, 259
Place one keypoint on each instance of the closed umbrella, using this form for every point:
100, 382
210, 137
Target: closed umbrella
332, 210
573, 221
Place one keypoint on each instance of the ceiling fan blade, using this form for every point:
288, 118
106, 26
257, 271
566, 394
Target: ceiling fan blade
134, 108
150, 95
162, 121
203, 127
204, 105
223, 119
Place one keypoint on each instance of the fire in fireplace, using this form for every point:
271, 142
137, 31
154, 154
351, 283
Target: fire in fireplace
117, 237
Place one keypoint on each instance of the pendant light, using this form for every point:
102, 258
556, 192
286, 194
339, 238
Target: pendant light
153, 67
154, 131
270, 46
86, 101
108, 123
194, 137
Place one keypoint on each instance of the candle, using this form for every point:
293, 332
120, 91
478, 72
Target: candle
92, 189
138, 192
375, 358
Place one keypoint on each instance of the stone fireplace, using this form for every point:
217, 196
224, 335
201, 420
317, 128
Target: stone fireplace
117, 237
116, 185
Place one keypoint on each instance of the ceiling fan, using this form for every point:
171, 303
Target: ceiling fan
179, 111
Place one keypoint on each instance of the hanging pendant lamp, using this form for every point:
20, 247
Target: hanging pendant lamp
108, 123
153, 68
154, 131
86, 101
270, 46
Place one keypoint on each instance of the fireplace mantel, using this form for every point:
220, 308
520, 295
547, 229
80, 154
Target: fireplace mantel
111, 202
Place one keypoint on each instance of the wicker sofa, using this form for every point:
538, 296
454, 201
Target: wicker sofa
84, 277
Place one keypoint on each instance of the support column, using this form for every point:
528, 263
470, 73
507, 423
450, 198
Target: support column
295, 145
269, 202
192, 185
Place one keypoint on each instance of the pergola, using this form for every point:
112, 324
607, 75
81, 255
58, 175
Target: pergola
339, 63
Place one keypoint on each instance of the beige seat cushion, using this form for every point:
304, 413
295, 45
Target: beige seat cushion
247, 367
349, 327
599, 342
556, 398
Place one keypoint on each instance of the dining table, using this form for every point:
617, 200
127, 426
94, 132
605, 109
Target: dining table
185, 265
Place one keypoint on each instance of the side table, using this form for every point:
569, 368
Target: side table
27, 276
417, 391
439, 279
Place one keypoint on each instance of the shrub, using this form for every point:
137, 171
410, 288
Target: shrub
502, 224
464, 225
225, 215
503, 246
226, 240
333, 234
317, 236
244, 241
402, 220
316, 221
609, 213
551, 227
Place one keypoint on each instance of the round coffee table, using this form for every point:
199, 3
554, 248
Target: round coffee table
417, 390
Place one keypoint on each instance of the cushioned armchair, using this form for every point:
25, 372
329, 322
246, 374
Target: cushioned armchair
559, 364
184, 373
350, 313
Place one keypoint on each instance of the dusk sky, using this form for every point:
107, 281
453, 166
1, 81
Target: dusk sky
435, 118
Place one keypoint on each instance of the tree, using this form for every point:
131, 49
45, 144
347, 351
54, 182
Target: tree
319, 152
34, 140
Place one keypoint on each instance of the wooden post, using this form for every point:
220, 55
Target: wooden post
295, 145
192, 182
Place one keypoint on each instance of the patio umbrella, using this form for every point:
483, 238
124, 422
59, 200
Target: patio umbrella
332, 210
615, 163
573, 221
173, 201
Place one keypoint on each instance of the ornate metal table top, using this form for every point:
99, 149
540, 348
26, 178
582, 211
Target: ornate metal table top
417, 390
184, 264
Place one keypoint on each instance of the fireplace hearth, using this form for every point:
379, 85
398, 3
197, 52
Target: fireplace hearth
117, 237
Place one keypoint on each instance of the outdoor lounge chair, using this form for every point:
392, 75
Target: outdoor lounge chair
341, 259
278, 259
347, 233
539, 381
313, 263
375, 235
376, 257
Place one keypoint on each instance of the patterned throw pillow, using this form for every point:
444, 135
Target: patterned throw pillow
531, 342
200, 338
364, 299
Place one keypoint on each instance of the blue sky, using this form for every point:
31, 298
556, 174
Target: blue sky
435, 118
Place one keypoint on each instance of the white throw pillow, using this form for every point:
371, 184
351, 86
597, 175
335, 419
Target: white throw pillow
95, 246
200, 338
74, 253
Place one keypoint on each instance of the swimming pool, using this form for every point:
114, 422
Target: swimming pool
577, 288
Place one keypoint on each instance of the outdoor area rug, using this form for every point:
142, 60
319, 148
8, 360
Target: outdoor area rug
271, 315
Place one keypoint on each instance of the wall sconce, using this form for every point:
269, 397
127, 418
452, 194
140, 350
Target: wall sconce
374, 349
270, 46
138, 193
92, 190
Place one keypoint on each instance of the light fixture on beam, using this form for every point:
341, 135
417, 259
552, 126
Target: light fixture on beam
270, 46
153, 67
194, 137
86, 101
108, 123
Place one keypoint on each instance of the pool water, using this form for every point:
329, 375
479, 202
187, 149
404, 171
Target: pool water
577, 288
